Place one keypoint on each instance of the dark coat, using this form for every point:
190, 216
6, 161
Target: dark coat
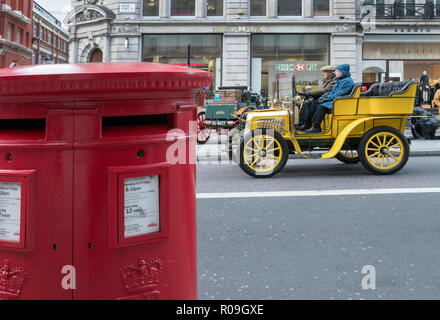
327, 86
343, 86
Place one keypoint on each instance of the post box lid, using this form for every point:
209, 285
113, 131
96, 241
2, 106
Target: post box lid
99, 78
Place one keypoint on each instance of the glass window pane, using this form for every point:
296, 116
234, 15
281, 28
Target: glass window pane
206, 51
321, 7
183, 7
151, 8
258, 8
215, 7
290, 7
276, 58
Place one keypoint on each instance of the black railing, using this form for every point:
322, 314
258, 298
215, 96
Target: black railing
398, 10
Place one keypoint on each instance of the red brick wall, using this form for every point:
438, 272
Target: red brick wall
25, 6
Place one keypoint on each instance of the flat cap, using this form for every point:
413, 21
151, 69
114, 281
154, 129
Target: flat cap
328, 68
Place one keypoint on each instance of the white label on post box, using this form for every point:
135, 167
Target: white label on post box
141, 206
10, 211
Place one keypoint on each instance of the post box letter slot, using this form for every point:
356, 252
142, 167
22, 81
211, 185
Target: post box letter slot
30, 128
135, 125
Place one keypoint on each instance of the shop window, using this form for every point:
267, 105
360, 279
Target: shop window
183, 7
151, 8
290, 7
277, 57
410, 7
321, 7
257, 8
205, 51
214, 8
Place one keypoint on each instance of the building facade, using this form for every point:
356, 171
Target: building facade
401, 39
254, 43
50, 41
15, 32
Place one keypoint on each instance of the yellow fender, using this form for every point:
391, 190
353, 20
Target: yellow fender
339, 142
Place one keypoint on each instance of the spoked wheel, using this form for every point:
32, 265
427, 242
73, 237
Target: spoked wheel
263, 153
348, 156
234, 145
203, 133
384, 150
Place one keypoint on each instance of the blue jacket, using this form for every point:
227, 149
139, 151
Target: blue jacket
343, 86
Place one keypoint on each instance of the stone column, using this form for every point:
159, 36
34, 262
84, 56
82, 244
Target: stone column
200, 8
164, 10
73, 51
307, 6
106, 54
272, 8
236, 59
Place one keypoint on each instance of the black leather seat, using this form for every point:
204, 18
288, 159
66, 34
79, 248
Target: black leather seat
373, 91
386, 89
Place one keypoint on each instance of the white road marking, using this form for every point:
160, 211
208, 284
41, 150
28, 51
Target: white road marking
315, 193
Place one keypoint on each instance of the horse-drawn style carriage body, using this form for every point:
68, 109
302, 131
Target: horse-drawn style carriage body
364, 127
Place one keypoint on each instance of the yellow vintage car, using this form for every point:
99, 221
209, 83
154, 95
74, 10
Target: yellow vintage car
364, 127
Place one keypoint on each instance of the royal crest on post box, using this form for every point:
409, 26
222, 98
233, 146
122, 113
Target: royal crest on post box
141, 279
11, 281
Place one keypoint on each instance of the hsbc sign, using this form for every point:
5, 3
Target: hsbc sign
296, 67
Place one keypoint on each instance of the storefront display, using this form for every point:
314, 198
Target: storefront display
205, 50
276, 58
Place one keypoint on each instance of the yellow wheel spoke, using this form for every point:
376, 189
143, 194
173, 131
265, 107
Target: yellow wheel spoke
389, 142
254, 141
251, 149
392, 156
373, 149
374, 154
394, 145
388, 160
270, 143
272, 156
377, 159
254, 163
250, 156
373, 143
276, 149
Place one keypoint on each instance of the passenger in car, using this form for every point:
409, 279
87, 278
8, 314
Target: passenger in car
305, 121
343, 86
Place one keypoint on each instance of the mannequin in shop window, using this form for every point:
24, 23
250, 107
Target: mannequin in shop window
425, 87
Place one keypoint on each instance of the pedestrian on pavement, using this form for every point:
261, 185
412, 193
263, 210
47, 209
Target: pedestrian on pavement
343, 86
305, 121
425, 87
437, 99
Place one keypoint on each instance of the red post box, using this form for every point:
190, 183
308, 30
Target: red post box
90, 207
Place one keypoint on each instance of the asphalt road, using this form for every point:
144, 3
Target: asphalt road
315, 247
